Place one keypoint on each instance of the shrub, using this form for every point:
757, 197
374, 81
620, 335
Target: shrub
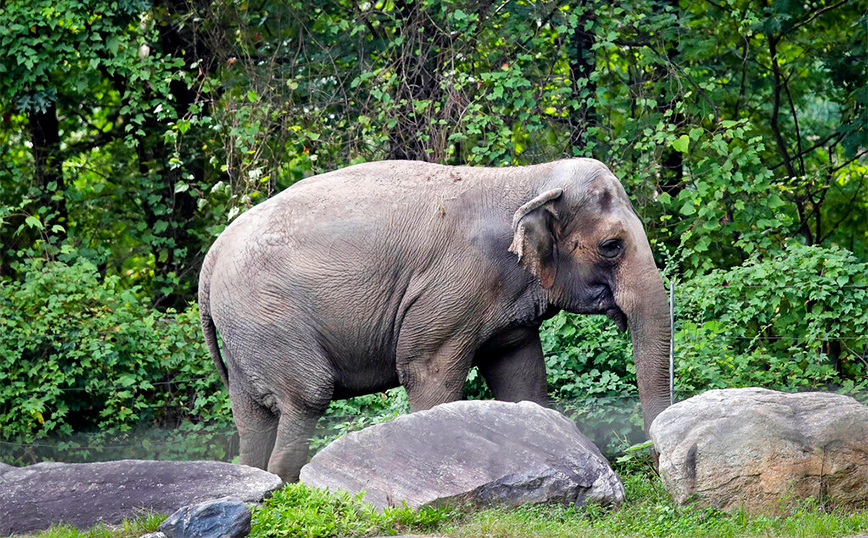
78, 352
344, 416
592, 378
794, 320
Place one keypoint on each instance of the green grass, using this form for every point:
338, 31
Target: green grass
301, 511
649, 512
306, 512
132, 528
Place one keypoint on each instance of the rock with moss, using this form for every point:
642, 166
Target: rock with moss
760, 449
476, 452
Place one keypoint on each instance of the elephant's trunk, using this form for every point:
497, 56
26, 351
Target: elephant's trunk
646, 306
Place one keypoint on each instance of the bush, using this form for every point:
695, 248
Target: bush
78, 352
308, 512
794, 320
352, 414
592, 378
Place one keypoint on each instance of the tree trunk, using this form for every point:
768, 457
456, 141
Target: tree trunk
582, 63
48, 173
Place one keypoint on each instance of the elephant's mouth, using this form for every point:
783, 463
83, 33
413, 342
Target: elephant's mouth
618, 317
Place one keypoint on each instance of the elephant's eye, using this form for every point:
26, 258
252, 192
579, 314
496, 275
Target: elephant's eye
611, 248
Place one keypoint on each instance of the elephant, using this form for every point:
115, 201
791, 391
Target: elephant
406, 273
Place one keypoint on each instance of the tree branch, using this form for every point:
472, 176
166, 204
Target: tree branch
696, 87
776, 107
101, 138
850, 207
796, 122
858, 156
817, 14
819, 144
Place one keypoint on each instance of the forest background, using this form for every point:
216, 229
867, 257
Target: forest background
134, 131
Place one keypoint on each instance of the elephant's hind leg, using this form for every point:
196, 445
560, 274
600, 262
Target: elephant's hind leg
296, 427
257, 428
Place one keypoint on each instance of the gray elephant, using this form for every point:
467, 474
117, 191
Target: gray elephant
408, 273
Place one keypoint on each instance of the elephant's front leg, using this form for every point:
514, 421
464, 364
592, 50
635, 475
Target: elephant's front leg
436, 376
517, 373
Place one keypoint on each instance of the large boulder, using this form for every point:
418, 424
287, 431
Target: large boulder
757, 449
477, 452
84, 494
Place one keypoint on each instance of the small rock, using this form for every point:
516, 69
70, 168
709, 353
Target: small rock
84, 494
478, 452
756, 449
157, 534
228, 517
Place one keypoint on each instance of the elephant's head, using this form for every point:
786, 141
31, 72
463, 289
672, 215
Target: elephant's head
582, 239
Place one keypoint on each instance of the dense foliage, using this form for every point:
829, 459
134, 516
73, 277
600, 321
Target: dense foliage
80, 351
133, 131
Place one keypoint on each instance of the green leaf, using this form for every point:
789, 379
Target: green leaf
113, 43
688, 209
127, 380
34, 222
682, 143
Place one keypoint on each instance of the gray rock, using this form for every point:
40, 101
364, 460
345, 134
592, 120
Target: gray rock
477, 452
5, 467
228, 517
157, 534
755, 449
84, 494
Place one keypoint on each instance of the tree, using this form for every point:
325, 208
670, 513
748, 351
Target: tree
101, 85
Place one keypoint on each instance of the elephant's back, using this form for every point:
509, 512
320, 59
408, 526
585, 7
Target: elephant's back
379, 189
355, 230
379, 207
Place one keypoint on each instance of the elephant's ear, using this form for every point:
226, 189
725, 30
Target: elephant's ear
533, 237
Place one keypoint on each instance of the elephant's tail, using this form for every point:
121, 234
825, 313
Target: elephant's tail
208, 327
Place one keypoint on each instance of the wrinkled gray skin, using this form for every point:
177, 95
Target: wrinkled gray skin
407, 273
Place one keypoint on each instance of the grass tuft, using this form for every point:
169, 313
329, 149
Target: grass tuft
307, 512
132, 528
